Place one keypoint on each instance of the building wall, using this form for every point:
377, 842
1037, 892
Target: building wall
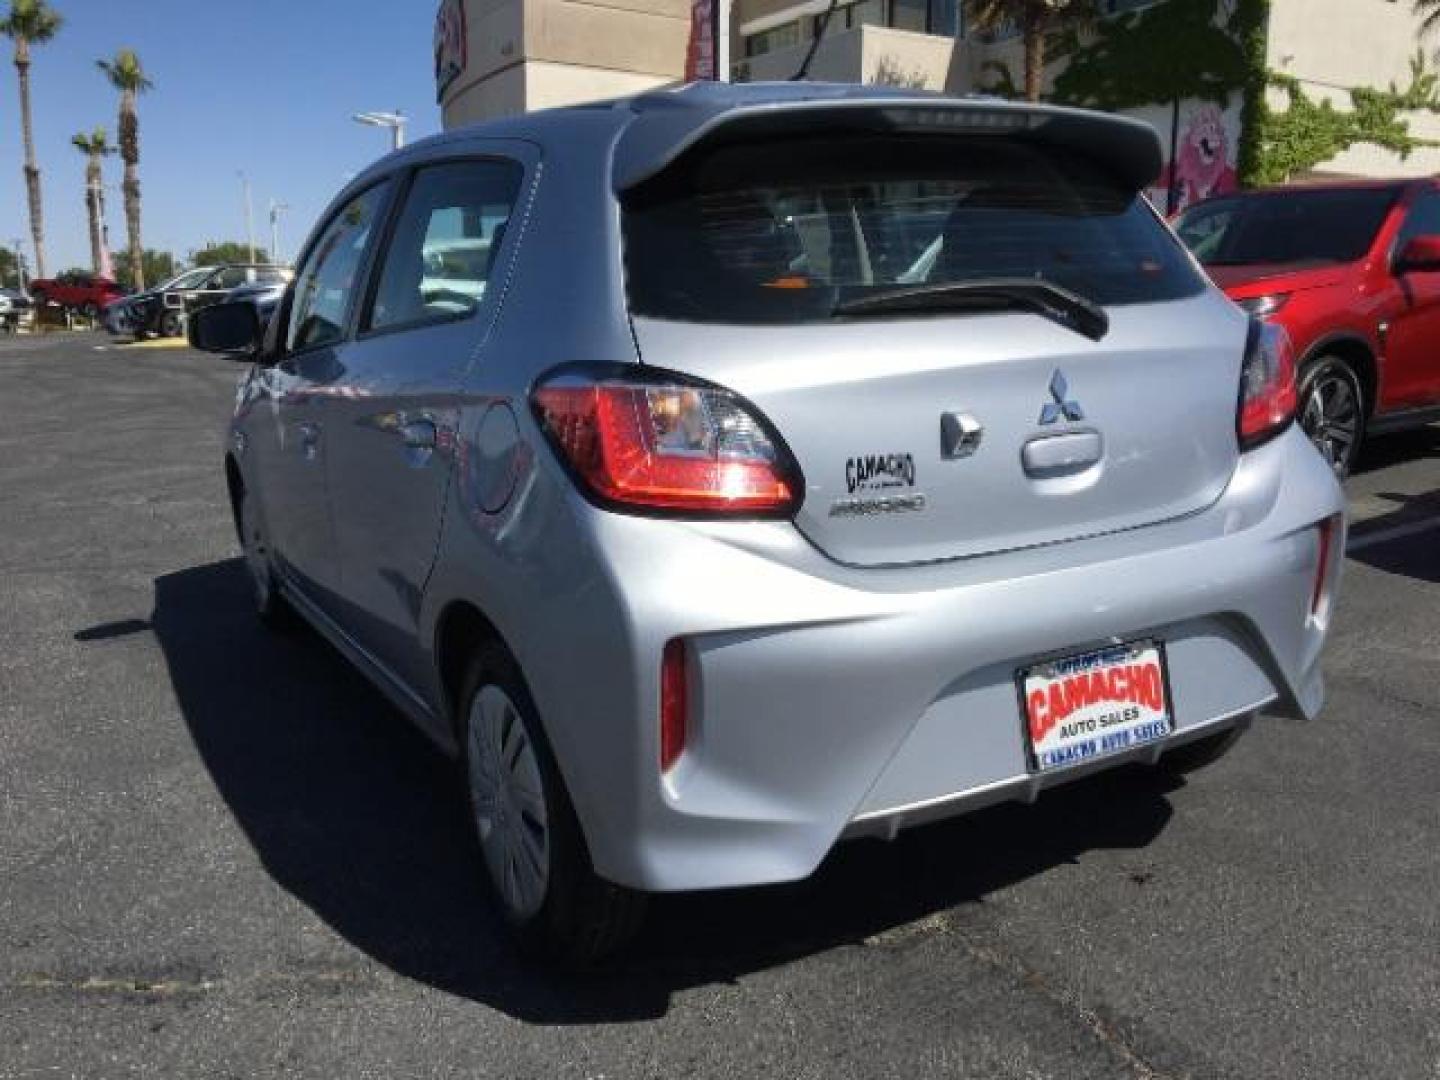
535, 54
1333, 45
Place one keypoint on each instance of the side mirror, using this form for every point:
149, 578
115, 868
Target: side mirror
225, 328
1420, 253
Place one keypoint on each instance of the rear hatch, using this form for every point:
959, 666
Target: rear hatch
873, 294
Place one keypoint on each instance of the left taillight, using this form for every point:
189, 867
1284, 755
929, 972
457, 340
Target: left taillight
666, 445
1267, 385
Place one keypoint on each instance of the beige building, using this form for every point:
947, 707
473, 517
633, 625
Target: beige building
500, 57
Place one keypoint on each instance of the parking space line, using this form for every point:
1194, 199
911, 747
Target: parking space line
1397, 532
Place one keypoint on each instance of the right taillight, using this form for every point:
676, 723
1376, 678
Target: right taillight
658, 443
1267, 385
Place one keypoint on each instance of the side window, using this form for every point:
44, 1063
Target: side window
327, 279
1423, 219
447, 235
229, 278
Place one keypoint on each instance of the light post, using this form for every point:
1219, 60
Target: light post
19, 262
276, 209
395, 121
249, 212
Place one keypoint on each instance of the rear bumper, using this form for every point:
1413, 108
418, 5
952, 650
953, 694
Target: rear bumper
827, 702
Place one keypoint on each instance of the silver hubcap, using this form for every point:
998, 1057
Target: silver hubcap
508, 798
1331, 417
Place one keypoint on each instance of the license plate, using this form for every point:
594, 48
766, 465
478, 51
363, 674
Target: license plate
1095, 704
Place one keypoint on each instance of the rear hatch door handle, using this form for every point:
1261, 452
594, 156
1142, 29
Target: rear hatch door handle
1061, 455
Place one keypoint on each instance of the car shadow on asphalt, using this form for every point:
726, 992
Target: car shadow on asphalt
1396, 448
353, 812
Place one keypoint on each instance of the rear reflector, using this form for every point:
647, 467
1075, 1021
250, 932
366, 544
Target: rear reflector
673, 695
1324, 553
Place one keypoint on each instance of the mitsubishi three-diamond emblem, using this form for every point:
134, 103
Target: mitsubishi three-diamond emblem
1061, 406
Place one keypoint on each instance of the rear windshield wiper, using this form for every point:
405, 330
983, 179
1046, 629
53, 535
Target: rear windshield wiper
1044, 298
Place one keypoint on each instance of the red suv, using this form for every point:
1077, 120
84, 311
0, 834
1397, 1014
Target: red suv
85, 293
1352, 272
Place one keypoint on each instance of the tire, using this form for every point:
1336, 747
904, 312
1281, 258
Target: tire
172, 324
539, 870
271, 607
1332, 411
1194, 756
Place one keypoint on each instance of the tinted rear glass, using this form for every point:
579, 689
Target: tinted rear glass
782, 232
1319, 227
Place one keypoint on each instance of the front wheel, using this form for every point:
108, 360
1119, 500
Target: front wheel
534, 852
1332, 411
172, 324
270, 604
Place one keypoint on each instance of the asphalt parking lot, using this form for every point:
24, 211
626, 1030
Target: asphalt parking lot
221, 854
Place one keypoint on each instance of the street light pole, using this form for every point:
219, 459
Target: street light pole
249, 213
395, 121
276, 209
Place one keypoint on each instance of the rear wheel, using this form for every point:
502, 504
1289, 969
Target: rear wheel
1332, 411
172, 324
1196, 755
534, 852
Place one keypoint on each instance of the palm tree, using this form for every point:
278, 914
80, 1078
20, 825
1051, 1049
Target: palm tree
127, 76
96, 147
31, 22
1429, 10
1037, 20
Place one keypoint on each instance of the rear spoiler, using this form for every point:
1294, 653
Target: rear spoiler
668, 125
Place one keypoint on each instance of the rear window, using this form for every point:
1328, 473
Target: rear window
783, 232
1316, 227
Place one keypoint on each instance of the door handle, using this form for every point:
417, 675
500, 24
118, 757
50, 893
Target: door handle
309, 440
419, 435
420, 439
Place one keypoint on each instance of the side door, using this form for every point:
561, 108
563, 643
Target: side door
1412, 346
392, 440
302, 379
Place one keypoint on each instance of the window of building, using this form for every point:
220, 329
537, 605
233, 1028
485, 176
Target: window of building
778, 37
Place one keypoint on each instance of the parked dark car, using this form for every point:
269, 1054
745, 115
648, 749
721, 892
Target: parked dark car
1352, 273
163, 309
264, 295
87, 294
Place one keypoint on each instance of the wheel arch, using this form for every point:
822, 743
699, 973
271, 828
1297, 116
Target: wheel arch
461, 630
1359, 354
235, 486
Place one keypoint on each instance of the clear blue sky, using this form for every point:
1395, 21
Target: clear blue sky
267, 86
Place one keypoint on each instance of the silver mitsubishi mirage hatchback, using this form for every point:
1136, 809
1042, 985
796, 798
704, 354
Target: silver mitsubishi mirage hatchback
728, 471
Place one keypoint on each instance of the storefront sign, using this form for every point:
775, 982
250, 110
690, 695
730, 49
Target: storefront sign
700, 57
450, 44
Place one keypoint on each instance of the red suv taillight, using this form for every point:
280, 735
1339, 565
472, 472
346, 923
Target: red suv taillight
1267, 385
666, 444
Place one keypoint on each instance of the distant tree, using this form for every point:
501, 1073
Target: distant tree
30, 22
95, 146
128, 76
155, 266
1038, 21
9, 276
219, 252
